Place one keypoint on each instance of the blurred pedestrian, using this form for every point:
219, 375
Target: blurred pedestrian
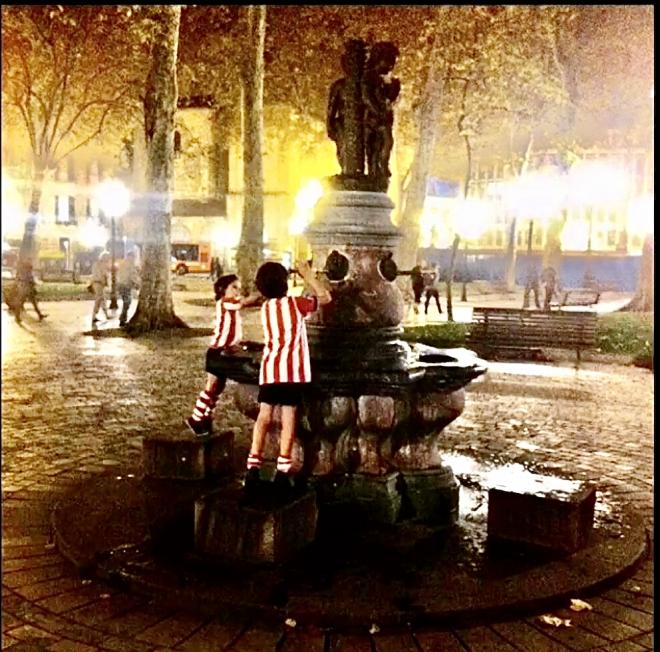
417, 283
549, 281
100, 271
531, 286
26, 290
431, 291
127, 280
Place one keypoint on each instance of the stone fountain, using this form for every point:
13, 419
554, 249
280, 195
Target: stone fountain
373, 415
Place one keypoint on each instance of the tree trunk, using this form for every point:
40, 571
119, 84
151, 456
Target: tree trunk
28, 250
643, 300
415, 192
155, 308
450, 277
510, 259
250, 250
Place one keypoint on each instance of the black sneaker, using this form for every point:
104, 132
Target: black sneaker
251, 484
200, 428
283, 488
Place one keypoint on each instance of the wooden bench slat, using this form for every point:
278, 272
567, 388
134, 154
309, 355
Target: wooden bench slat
517, 329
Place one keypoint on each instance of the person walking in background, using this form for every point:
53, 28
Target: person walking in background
285, 368
227, 334
417, 282
127, 279
26, 290
549, 280
100, 271
430, 278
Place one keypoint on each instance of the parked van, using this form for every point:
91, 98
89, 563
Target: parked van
193, 258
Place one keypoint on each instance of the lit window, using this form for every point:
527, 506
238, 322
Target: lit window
65, 209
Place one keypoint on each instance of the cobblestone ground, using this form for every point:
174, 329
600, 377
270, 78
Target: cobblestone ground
74, 406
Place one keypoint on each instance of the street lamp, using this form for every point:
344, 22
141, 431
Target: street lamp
471, 218
114, 199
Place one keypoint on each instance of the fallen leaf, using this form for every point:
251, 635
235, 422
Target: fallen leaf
290, 622
636, 589
555, 621
580, 605
374, 629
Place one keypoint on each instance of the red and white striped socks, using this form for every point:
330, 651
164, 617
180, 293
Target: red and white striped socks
284, 464
204, 406
254, 461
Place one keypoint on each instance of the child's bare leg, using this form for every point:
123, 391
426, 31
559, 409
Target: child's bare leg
259, 431
287, 437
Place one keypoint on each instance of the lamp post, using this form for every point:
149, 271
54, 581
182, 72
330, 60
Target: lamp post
114, 200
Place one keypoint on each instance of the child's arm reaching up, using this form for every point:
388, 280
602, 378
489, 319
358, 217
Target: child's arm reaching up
250, 300
305, 271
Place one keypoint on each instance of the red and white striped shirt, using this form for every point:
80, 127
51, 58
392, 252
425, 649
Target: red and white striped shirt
286, 352
228, 328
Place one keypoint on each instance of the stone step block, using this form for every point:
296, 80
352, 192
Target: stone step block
228, 529
556, 516
180, 455
372, 498
432, 496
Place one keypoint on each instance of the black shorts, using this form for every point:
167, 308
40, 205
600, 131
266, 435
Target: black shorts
281, 394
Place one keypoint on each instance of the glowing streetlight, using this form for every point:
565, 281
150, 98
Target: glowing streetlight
306, 199
471, 218
114, 199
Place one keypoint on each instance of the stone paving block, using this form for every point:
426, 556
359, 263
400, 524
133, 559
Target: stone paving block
172, 630
32, 575
48, 559
574, 638
63, 602
133, 622
645, 640
403, 642
612, 630
70, 646
213, 636
105, 609
639, 619
524, 636
483, 639
257, 639
179, 454
547, 518
51, 587
308, 639
23, 552
350, 643
30, 633
630, 599
258, 533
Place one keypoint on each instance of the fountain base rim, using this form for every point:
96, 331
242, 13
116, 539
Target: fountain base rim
459, 599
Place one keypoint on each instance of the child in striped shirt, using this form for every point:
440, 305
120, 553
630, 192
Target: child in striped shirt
285, 366
227, 334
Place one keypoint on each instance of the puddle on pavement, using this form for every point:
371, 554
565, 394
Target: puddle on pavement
104, 346
543, 370
477, 477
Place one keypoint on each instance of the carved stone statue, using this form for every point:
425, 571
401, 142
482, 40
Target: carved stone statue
360, 116
378, 95
345, 111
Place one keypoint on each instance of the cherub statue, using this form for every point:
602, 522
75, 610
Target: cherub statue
378, 95
345, 111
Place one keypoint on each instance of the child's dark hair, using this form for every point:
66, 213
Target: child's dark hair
272, 280
221, 285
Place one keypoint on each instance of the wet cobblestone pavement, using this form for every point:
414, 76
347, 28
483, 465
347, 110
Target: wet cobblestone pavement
75, 406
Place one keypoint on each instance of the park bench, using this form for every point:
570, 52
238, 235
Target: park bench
579, 297
521, 332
